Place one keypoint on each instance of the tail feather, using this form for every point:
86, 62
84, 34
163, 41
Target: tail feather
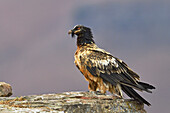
146, 86
133, 94
139, 86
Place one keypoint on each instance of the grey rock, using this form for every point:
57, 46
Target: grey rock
5, 89
70, 102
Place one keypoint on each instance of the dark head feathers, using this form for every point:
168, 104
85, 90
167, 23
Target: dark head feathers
81, 31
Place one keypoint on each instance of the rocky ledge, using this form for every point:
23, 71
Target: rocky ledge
70, 102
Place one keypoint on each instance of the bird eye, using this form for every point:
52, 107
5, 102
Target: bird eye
78, 28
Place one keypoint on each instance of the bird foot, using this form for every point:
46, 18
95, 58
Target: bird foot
96, 92
116, 96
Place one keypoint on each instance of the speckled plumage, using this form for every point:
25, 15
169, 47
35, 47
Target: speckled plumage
102, 70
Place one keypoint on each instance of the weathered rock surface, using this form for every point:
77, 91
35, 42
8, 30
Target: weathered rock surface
5, 89
69, 102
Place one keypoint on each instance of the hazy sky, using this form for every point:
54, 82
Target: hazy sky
36, 53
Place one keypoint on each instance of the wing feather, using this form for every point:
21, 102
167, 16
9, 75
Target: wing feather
102, 64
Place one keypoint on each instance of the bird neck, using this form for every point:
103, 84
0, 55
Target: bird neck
82, 41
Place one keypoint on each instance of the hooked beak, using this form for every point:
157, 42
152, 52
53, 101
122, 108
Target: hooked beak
71, 32
74, 32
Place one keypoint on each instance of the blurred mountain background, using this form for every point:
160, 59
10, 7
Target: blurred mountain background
36, 53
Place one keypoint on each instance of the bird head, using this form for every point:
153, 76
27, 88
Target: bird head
81, 31
84, 35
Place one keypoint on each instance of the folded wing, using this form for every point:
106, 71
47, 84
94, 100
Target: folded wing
113, 70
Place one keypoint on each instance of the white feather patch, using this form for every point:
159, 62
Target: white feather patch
113, 61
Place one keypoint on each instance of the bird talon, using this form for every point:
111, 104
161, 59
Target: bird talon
96, 93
